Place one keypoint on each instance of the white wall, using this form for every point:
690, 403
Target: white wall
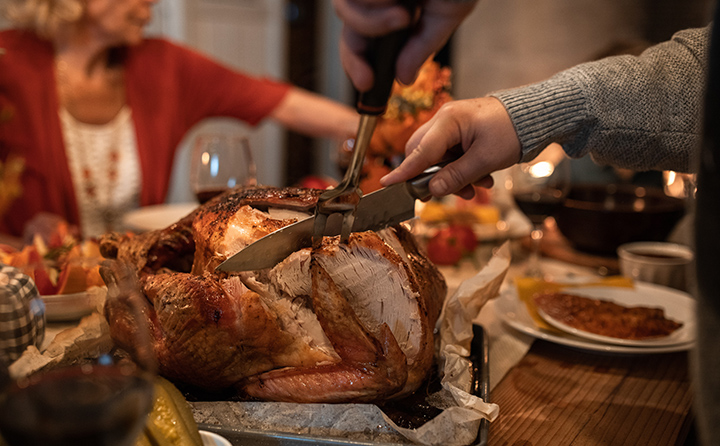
334, 83
245, 34
508, 43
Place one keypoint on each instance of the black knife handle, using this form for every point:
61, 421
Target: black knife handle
419, 186
381, 54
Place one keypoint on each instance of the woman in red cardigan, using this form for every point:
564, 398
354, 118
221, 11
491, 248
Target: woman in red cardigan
97, 111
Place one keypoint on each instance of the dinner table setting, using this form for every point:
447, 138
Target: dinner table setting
542, 382
499, 322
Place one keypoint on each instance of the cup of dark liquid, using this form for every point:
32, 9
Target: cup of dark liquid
220, 162
661, 263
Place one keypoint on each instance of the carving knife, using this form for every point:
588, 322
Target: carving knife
376, 210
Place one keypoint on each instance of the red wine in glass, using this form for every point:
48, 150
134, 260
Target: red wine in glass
102, 398
539, 204
539, 188
220, 162
203, 196
80, 405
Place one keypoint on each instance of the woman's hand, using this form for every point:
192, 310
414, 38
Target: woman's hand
365, 19
481, 126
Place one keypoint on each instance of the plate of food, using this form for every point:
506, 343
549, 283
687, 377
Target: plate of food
66, 273
619, 316
675, 306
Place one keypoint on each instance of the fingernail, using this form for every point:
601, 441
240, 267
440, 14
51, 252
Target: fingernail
438, 187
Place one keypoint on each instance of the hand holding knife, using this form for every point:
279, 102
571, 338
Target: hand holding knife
377, 210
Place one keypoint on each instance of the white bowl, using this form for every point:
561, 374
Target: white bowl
213, 439
661, 263
70, 307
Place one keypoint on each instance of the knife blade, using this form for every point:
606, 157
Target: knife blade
376, 210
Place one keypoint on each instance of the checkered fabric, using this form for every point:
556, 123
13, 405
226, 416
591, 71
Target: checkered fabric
22, 313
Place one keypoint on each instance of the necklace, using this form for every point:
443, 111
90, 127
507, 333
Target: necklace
96, 178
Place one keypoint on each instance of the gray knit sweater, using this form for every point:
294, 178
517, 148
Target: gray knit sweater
640, 113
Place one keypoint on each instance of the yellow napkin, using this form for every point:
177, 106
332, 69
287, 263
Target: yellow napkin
527, 287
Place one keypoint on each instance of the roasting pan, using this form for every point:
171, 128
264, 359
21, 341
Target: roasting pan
481, 388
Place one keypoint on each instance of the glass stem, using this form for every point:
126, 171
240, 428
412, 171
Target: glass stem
533, 265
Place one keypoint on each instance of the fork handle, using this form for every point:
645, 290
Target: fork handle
382, 53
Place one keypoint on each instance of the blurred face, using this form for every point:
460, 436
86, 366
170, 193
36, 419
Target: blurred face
119, 22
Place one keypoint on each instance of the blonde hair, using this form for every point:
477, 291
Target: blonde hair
44, 17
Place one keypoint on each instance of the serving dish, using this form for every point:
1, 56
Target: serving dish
70, 307
600, 217
238, 435
678, 306
213, 439
679, 336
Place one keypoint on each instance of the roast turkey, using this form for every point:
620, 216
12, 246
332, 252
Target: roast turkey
340, 323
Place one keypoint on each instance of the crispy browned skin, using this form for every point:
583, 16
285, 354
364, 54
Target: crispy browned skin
151, 251
356, 326
606, 318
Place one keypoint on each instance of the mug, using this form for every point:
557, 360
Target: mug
661, 263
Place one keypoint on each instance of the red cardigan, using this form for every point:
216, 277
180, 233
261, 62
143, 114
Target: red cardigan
169, 89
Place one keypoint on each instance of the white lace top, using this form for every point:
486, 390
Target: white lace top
105, 169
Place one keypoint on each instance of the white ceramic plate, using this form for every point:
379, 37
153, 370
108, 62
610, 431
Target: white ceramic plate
677, 305
70, 307
213, 439
160, 216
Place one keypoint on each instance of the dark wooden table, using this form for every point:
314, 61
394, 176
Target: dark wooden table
560, 396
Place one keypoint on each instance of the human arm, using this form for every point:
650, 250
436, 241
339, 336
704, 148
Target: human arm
315, 115
634, 112
363, 19
206, 88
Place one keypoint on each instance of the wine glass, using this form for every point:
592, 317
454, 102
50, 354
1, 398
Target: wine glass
101, 396
539, 188
220, 162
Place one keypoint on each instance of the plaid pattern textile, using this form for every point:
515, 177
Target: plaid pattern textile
22, 313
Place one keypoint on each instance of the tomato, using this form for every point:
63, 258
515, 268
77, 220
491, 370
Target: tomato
315, 182
43, 282
450, 244
444, 249
466, 236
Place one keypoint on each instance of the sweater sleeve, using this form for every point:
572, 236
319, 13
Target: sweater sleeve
638, 112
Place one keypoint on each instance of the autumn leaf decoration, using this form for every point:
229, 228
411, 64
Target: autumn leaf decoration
409, 107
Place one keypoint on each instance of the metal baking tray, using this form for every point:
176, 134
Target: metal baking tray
481, 387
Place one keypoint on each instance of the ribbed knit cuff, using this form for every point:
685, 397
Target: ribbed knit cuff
550, 111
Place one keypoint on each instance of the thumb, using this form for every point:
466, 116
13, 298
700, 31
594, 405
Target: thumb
451, 178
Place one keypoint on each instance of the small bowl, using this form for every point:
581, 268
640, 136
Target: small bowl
213, 439
661, 263
598, 218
